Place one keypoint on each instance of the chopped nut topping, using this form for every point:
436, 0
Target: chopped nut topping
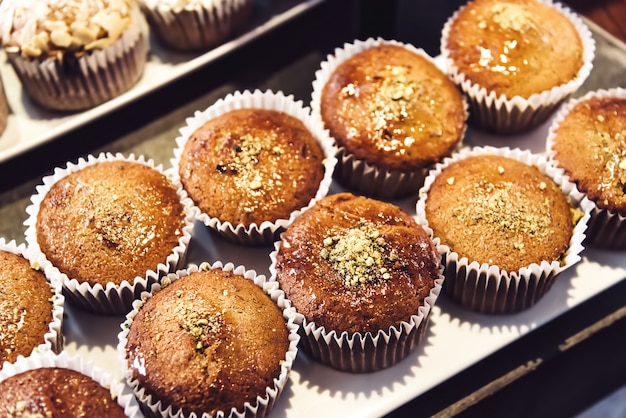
450, 181
500, 169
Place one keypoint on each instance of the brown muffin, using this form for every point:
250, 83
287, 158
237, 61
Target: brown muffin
209, 341
26, 306
56, 391
588, 140
390, 106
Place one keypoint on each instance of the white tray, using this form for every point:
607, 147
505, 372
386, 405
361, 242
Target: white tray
330, 393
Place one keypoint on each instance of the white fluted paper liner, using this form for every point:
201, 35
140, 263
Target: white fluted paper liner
269, 230
512, 115
109, 298
119, 391
486, 288
90, 79
607, 228
196, 25
264, 402
354, 173
53, 338
363, 352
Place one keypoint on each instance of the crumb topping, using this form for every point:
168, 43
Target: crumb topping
512, 17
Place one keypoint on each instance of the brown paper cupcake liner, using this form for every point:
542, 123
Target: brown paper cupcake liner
119, 391
486, 288
83, 82
198, 25
53, 338
267, 231
607, 229
152, 407
514, 115
110, 298
351, 172
364, 352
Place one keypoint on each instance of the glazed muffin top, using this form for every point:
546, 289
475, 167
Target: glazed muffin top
209, 341
500, 211
589, 143
510, 47
393, 108
110, 221
25, 307
252, 165
51, 28
352, 263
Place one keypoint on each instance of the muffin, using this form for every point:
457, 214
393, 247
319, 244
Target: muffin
108, 227
502, 53
588, 140
210, 339
74, 54
196, 25
31, 308
393, 112
251, 162
363, 277
506, 222
49, 385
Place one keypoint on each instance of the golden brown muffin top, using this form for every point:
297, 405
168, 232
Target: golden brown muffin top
393, 108
56, 392
25, 307
356, 264
514, 47
207, 342
590, 144
500, 211
252, 165
110, 221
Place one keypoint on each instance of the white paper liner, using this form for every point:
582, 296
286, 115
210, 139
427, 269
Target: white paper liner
511, 115
119, 391
196, 25
53, 338
486, 288
363, 352
606, 229
267, 231
110, 298
264, 403
4, 108
357, 174
91, 79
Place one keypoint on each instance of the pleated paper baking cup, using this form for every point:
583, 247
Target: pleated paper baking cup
85, 81
264, 231
515, 115
53, 339
607, 226
356, 173
196, 25
486, 288
264, 403
119, 392
109, 298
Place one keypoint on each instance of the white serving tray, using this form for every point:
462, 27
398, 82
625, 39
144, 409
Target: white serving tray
330, 393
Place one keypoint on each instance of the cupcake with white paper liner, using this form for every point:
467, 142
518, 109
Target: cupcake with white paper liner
76, 54
507, 216
60, 384
252, 162
196, 25
32, 306
363, 277
502, 54
238, 321
587, 138
393, 112
107, 227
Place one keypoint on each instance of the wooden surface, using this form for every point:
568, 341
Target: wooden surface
609, 14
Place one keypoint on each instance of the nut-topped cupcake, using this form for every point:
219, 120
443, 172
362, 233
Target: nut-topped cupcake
74, 54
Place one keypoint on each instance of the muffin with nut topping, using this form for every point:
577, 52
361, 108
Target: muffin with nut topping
73, 55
